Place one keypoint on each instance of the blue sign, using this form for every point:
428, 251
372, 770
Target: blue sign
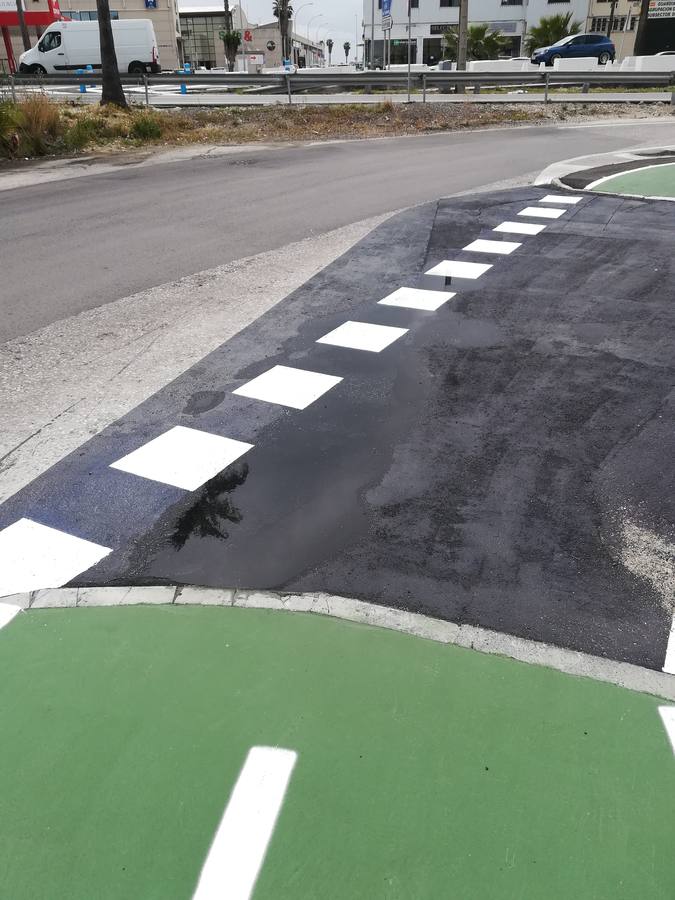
151, 4
386, 9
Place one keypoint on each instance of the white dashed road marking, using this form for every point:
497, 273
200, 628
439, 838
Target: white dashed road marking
183, 457
542, 212
669, 664
240, 844
667, 714
452, 268
416, 298
34, 556
520, 228
560, 198
363, 336
7, 613
296, 388
501, 247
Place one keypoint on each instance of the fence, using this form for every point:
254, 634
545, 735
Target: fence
291, 84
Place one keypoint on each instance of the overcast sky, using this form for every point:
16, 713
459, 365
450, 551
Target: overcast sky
338, 16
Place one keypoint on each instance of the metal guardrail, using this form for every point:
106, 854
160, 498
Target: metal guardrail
298, 82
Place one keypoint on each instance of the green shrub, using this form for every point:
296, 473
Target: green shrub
39, 125
8, 128
146, 127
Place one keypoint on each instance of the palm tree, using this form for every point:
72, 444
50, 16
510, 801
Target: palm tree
283, 11
25, 37
346, 47
481, 43
111, 91
329, 44
231, 39
550, 30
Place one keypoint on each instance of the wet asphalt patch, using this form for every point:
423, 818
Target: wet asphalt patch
482, 468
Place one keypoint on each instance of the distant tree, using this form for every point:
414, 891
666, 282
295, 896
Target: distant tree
231, 39
283, 11
330, 45
481, 43
550, 30
346, 47
111, 91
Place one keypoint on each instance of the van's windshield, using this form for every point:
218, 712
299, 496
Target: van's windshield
50, 41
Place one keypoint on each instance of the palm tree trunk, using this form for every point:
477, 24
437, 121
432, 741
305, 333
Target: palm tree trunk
25, 37
112, 86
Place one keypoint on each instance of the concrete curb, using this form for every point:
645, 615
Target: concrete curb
625, 675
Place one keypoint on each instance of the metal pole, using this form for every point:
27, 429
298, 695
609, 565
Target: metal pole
462, 40
243, 42
424, 87
12, 88
409, 44
546, 88
288, 85
145, 82
372, 38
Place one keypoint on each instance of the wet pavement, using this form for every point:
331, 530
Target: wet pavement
484, 468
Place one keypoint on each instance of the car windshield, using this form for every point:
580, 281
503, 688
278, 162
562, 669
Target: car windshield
563, 41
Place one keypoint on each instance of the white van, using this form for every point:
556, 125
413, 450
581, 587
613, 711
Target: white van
68, 46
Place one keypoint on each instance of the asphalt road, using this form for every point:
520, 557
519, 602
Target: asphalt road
104, 237
505, 463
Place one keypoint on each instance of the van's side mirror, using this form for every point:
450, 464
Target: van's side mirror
41, 48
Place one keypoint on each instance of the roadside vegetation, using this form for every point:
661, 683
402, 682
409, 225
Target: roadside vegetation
38, 126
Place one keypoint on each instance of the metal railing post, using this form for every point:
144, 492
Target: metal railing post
288, 85
672, 93
12, 88
546, 76
145, 84
424, 88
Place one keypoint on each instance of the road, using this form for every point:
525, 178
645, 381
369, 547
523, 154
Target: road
125, 231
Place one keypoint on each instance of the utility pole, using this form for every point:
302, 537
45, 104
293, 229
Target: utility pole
610, 23
641, 36
25, 37
462, 39
409, 44
372, 38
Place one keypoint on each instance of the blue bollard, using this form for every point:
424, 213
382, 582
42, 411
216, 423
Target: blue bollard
187, 68
183, 88
90, 71
83, 86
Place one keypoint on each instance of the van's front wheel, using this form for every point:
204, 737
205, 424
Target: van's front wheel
137, 68
38, 70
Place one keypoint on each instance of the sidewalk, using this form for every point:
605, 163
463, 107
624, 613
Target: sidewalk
423, 771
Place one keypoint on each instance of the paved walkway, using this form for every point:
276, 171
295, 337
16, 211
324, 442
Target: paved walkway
398, 767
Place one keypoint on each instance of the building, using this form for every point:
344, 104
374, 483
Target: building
432, 18
162, 13
203, 47
624, 23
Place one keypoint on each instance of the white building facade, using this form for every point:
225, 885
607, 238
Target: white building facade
432, 18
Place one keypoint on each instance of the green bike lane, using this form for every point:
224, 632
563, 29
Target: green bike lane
655, 181
423, 770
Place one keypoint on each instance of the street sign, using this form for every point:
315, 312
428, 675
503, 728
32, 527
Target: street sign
387, 20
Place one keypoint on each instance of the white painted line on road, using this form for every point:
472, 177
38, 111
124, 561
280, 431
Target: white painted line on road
667, 714
183, 457
560, 198
7, 613
501, 247
669, 664
286, 386
520, 228
34, 556
451, 268
542, 212
363, 336
239, 847
417, 298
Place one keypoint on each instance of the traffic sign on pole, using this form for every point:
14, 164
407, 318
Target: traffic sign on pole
387, 20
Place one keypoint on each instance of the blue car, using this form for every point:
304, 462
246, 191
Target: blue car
598, 45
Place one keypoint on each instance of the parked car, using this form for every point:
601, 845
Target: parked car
68, 46
598, 45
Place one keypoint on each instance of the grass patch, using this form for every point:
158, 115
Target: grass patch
38, 126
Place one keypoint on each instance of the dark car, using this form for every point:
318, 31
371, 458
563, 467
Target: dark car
598, 45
